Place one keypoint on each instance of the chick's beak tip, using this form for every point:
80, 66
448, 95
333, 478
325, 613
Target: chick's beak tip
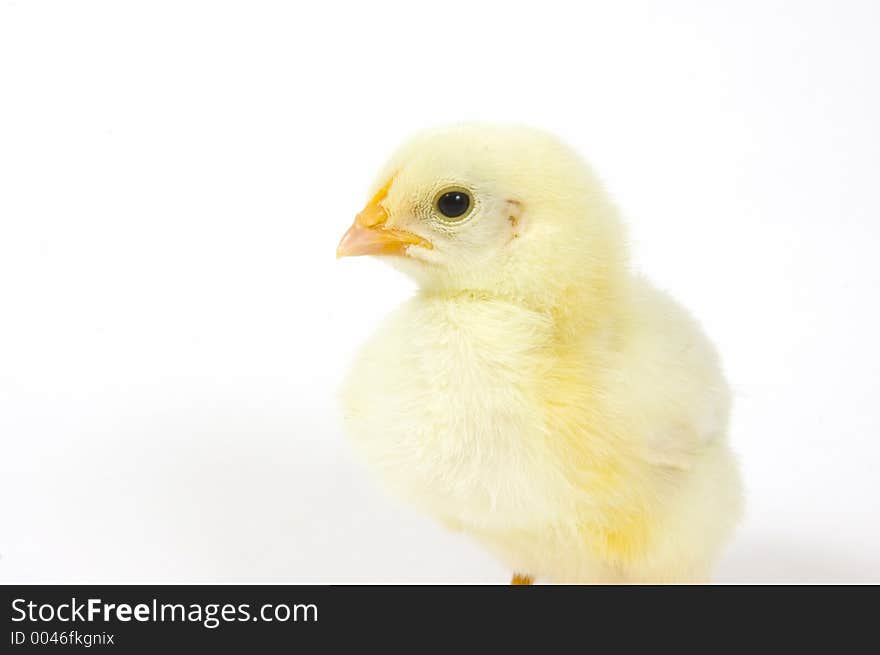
357, 240
364, 237
360, 240
369, 236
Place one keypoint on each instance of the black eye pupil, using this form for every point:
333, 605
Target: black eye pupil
453, 203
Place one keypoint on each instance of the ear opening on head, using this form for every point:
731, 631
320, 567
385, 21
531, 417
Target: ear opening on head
513, 209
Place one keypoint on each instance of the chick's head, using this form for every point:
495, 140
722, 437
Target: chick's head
489, 209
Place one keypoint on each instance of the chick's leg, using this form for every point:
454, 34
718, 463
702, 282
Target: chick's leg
519, 578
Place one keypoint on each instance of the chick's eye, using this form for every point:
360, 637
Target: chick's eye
453, 204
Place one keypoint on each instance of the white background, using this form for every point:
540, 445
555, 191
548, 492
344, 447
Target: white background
174, 178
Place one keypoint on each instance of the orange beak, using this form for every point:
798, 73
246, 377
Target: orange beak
369, 236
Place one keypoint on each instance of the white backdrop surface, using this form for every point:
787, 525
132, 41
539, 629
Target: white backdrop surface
174, 177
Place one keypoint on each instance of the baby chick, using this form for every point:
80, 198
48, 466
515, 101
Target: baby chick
536, 394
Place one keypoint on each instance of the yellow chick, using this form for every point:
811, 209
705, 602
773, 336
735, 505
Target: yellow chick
535, 393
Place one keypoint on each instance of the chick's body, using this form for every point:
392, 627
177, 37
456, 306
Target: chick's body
535, 394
